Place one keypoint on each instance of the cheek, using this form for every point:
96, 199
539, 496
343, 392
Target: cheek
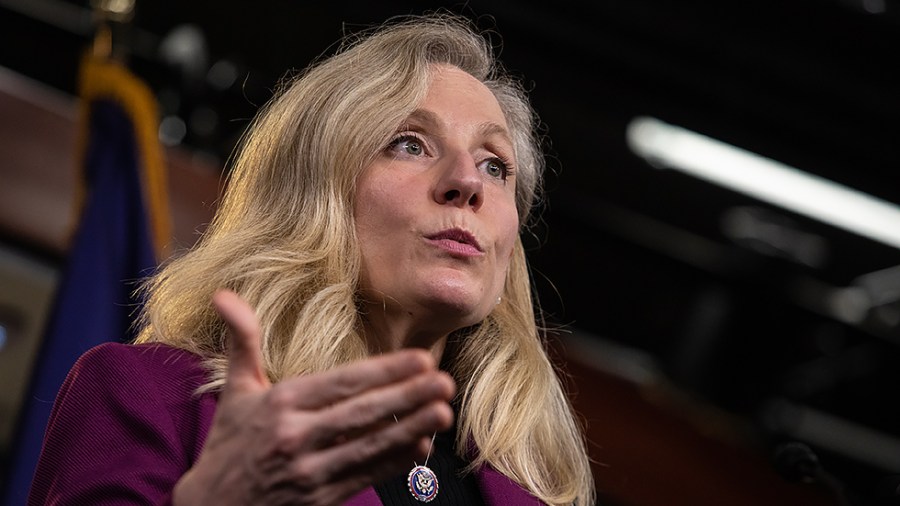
367, 228
372, 208
506, 243
383, 199
383, 219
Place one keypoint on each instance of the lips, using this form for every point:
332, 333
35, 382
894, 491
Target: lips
456, 241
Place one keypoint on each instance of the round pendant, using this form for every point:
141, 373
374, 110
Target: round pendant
423, 484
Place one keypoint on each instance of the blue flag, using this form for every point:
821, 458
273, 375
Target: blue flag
122, 231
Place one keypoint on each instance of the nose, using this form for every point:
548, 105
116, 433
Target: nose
460, 183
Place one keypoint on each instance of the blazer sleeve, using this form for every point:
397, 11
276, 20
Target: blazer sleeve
125, 427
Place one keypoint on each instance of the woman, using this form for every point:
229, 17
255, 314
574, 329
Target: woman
372, 213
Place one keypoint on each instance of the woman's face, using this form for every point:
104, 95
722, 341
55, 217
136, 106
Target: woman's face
435, 212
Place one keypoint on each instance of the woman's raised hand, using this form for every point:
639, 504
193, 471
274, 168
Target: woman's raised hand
315, 439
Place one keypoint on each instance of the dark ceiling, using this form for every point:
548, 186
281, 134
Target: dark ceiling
629, 254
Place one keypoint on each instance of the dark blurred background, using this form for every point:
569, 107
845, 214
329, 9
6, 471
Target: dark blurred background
747, 322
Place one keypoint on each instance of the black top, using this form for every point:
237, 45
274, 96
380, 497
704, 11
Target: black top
453, 487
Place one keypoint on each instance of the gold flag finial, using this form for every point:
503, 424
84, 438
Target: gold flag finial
119, 11
110, 16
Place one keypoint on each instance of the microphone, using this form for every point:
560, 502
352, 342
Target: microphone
796, 462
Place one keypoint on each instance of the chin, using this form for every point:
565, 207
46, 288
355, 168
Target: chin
461, 311
457, 299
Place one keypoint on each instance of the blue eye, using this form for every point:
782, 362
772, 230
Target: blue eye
409, 144
413, 147
497, 168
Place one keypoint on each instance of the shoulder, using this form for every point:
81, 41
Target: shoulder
155, 380
128, 422
148, 357
137, 377
155, 367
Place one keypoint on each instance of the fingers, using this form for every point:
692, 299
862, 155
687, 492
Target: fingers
310, 429
382, 453
335, 486
359, 413
406, 433
245, 370
329, 387
389, 466
330, 433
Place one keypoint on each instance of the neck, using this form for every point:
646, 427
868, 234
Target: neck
386, 331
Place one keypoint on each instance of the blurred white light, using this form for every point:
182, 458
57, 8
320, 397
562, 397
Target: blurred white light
222, 75
850, 305
172, 130
185, 48
874, 6
669, 146
882, 286
119, 7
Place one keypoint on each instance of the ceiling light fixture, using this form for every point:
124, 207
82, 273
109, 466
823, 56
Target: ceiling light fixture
669, 146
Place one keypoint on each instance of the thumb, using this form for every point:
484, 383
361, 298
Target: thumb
245, 370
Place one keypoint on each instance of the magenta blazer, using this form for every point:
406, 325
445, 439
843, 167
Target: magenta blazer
127, 424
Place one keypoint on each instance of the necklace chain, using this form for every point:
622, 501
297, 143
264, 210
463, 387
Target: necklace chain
422, 481
430, 446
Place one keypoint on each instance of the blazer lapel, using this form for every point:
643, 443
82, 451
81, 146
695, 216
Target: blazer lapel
367, 497
498, 490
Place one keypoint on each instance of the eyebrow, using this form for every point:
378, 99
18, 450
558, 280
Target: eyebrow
428, 117
432, 120
490, 128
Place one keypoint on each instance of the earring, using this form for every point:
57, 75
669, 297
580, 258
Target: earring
498, 300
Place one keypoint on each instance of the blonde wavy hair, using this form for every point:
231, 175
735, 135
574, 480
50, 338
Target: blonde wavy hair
284, 239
